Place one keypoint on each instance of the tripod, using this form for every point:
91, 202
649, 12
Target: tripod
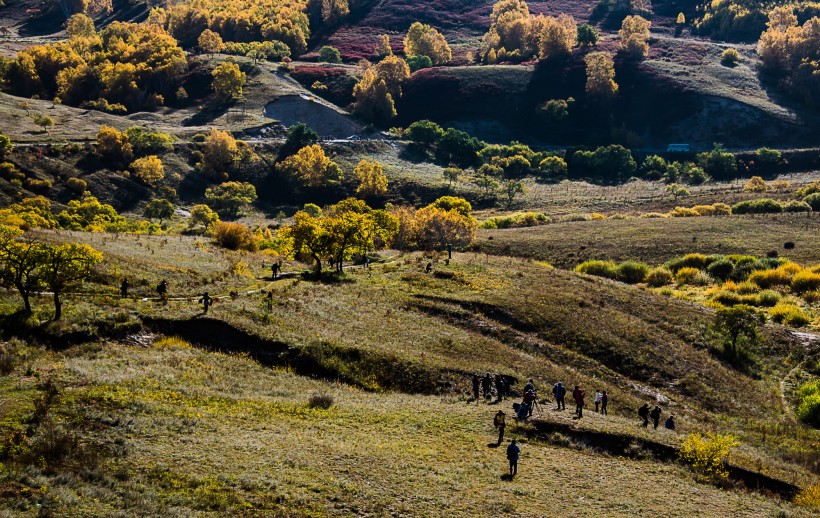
536, 406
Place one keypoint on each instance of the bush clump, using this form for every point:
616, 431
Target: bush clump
768, 298
693, 277
769, 278
323, 401
789, 314
796, 206
707, 453
721, 269
631, 272
758, 206
805, 281
809, 496
727, 298
813, 201
808, 410
659, 277
598, 268
520, 219
233, 236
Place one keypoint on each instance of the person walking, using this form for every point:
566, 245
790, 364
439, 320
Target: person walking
499, 387
670, 423
643, 413
206, 302
655, 414
476, 383
500, 422
597, 400
578, 395
529, 401
485, 386
124, 288
513, 452
604, 402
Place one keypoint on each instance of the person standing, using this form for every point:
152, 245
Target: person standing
124, 288
500, 423
560, 391
162, 290
604, 402
499, 387
597, 400
656, 416
485, 386
643, 413
476, 383
512, 455
529, 386
578, 395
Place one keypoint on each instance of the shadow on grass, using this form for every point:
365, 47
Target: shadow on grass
507, 477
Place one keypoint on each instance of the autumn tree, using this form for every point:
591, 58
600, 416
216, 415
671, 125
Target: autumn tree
557, 36
372, 181
553, 168
424, 40
228, 80
374, 101
299, 136
44, 121
20, 257
383, 48
451, 175
63, 266
114, 145
219, 152
160, 209
635, 36
394, 72
436, 227
512, 189
307, 237
80, 25
600, 71
210, 42
149, 170
230, 198
201, 214
6, 146
311, 167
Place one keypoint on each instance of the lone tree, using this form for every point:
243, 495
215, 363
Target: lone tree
6, 147
19, 259
635, 36
600, 75
63, 266
230, 197
210, 42
228, 80
737, 321
159, 209
44, 121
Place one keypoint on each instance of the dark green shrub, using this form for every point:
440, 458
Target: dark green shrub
768, 298
796, 206
721, 269
418, 62
631, 272
758, 206
808, 410
330, 54
727, 298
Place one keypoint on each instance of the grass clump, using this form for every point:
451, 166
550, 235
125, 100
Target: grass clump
766, 279
598, 268
172, 341
768, 298
707, 453
805, 281
692, 276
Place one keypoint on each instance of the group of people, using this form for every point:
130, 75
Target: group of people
484, 385
579, 396
655, 414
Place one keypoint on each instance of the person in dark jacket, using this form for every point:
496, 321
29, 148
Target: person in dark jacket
476, 383
559, 391
485, 386
500, 422
124, 288
655, 414
670, 423
512, 455
643, 413
578, 395
206, 302
499, 387
604, 402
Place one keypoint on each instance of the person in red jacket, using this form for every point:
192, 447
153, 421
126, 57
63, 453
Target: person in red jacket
578, 395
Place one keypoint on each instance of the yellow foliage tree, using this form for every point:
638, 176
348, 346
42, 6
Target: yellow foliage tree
557, 36
219, 153
114, 145
383, 48
149, 169
424, 40
210, 41
228, 80
756, 184
372, 181
600, 69
635, 36
311, 166
373, 98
